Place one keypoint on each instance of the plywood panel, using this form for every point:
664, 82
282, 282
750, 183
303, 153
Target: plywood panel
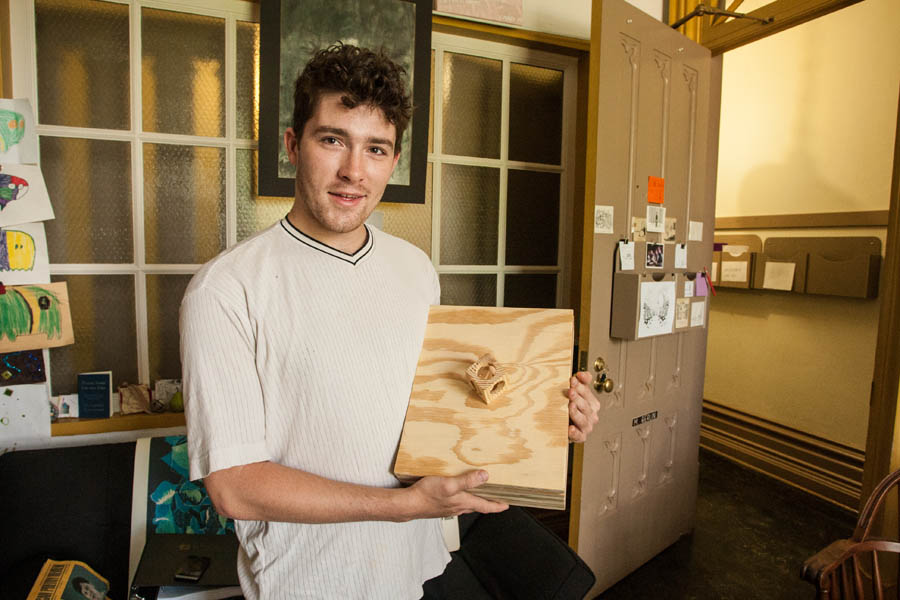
520, 438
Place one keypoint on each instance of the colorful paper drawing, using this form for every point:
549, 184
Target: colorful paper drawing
17, 368
35, 316
11, 188
12, 129
18, 139
23, 195
16, 250
23, 254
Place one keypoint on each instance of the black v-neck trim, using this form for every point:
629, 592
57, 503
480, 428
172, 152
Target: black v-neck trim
315, 244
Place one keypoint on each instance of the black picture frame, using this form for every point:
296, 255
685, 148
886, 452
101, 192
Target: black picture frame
271, 183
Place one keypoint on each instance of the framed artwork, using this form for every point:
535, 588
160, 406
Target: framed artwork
292, 30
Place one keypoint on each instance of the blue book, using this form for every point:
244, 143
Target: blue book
95, 395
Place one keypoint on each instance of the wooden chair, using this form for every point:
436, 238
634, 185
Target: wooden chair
855, 568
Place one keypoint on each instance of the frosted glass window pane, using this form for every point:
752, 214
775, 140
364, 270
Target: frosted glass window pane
89, 182
184, 203
470, 200
472, 98
531, 290
535, 114
103, 320
468, 290
247, 76
532, 218
164, 293
254, 213
412, 222
82, 63
182, 73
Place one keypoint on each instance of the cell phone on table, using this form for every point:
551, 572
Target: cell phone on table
192, 568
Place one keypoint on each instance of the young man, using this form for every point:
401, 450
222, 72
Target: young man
299, 348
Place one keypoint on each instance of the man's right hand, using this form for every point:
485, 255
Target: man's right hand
449, 496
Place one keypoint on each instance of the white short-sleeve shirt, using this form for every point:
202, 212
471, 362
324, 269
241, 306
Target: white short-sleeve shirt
297, 353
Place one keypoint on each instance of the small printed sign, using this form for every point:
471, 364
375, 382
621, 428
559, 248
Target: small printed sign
644, 418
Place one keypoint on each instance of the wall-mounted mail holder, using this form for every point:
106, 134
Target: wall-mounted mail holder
736, 255
834, 266
651, 304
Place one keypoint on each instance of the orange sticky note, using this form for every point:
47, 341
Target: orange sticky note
655, 187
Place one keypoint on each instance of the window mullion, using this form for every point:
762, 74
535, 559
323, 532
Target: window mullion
504, 176
137, 194
230, 131
436, 165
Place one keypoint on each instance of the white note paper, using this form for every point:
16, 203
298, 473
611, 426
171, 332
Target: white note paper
695, 231
656, 219
698, 313
603, 219
688, 289
681, 256
682, 312
626, 256
779, 276
657, 308
734, 270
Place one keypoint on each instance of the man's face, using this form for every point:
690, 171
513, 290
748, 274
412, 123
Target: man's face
344, 159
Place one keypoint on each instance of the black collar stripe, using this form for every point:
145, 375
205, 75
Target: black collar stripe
315, 244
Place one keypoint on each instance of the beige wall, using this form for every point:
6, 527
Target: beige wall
807, 125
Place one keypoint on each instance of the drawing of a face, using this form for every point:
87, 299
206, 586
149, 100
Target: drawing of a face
344, 158
12, 129
17, 251
11, 188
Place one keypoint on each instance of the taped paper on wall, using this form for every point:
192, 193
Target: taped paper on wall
688, 288
698, 313
603, 219
682, 313
657, 308
695, 231
656, 219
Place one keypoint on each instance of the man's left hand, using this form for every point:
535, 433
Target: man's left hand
583, 407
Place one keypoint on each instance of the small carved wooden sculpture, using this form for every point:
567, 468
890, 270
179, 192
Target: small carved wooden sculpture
488, 378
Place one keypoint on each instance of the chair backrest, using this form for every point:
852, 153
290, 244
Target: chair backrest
862, 566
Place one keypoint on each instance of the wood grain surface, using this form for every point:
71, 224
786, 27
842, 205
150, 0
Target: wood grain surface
520, 438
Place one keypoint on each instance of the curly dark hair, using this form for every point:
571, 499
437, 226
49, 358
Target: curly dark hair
363, 76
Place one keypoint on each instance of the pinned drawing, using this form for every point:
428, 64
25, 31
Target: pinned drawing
18, 140
657, 308
12, 129
11, 188
23, 254
34, 316
17, 368
23, 195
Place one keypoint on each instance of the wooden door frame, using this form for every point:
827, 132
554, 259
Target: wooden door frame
720, 35
883, 439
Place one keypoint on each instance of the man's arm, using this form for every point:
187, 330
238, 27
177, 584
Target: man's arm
267, 491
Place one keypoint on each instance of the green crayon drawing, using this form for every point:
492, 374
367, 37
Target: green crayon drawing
12, 129
28, 310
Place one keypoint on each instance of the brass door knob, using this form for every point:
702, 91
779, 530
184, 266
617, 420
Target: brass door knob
604, 384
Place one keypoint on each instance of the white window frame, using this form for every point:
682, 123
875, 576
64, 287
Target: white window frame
24, 80
508, 54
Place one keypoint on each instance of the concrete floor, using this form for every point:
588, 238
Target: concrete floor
751, 537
